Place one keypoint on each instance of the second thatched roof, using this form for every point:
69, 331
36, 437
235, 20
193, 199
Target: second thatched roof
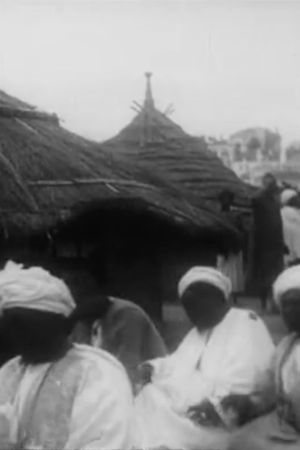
153, 142
49, 174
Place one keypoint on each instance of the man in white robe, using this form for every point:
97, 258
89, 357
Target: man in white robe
56, 395
290, 214
280, 428
209, 386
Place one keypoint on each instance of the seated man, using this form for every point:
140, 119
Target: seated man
213, 381
119, 326
56, 395
280, 429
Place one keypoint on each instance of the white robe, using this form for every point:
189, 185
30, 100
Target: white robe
232, 267
280, 429
83, 401
234, 357
291, 231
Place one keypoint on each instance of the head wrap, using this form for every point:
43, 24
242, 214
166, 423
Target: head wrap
287, 195
287, 280
201, 274
34, 288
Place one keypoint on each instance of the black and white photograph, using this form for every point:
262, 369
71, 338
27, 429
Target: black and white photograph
149, 224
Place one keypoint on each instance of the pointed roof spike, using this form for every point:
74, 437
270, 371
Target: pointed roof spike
149, 102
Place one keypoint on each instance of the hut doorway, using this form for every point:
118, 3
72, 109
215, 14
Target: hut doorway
123, 242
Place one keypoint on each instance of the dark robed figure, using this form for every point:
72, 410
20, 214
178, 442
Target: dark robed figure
267, 239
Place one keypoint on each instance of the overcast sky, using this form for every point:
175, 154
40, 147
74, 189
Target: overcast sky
224, 65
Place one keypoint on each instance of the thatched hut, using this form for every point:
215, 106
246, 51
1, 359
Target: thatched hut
63, 198
153, 142
49, 173
167, 155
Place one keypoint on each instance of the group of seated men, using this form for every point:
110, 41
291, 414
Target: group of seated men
225, 387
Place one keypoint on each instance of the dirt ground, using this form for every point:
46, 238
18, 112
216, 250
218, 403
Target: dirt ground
176, 324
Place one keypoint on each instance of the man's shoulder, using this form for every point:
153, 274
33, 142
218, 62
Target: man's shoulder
11, 367
127, 306
245, 315
95, 358
99, 369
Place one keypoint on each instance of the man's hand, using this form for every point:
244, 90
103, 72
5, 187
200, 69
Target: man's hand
204, 414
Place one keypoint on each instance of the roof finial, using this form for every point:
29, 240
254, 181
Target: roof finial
149, 102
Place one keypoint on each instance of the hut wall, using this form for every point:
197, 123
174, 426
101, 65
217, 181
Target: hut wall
136, 255
123, 248
133, 272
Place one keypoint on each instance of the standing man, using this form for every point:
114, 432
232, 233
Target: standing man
290, 213
267, 238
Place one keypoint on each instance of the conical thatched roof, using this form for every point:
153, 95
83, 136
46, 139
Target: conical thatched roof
152, 141
49, 174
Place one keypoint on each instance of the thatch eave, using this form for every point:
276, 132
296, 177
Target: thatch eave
49, 174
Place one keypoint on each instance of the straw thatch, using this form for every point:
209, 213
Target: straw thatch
152, 141
49, 174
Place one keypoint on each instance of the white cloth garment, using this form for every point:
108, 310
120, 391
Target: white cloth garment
205, 275
232, 267
83, 401
233, 358
34, 288
290, 372
287, 195
291, 231
288, 279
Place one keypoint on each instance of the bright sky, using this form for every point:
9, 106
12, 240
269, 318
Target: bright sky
224, 65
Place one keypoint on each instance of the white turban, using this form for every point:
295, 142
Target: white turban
205, 275
287, 195
287, 280
34, 288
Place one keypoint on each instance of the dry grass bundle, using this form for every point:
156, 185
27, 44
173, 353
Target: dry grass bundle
49, 174
153, 142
